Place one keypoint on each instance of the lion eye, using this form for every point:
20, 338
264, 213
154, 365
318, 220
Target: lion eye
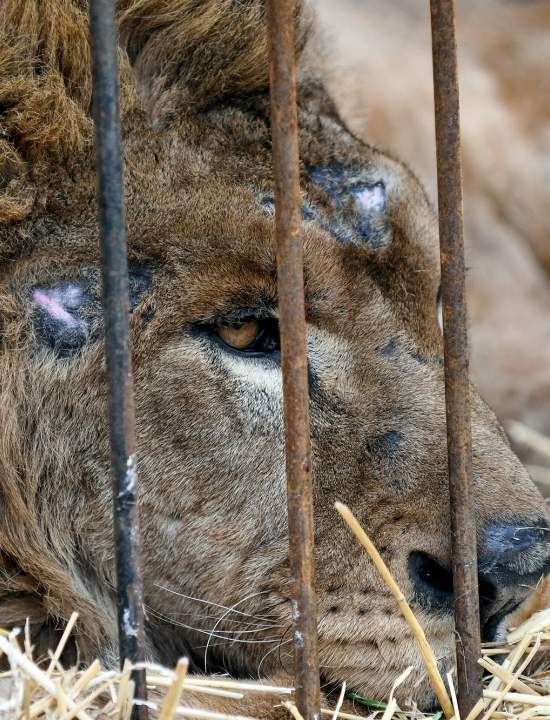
239, 336
248, 336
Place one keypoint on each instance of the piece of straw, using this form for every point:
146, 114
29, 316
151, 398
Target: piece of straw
80, 685
426, 652
496, 702
173, 696
391, 707
86, 677
156, 681
343, 715
520, 698
28, 646
340, 702
506, 676
86, 702
21, 661
451, 685
293, 710
61, 645
236, 685
27, 692
514, 656
535, 624
530, 712
125, 692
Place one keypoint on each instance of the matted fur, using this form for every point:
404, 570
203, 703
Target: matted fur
198, 186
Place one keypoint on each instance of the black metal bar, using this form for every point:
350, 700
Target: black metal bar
457, 384
117, 343
281, 16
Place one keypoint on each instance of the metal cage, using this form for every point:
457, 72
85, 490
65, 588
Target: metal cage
280, 18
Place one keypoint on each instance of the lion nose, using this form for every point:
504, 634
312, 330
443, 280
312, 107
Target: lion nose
513, 551
512, 557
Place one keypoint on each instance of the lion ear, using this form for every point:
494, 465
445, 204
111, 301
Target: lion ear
189, 54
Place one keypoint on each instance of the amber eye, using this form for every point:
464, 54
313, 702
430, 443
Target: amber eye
239, 336
247, 335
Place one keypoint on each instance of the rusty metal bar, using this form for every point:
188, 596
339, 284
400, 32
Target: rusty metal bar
281, 15
117, 341
457, 384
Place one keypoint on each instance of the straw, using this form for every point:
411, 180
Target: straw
426, 652
95, 693
340, 702
102, 694
175, 690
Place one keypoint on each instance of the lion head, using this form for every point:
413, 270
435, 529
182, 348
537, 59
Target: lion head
212, 491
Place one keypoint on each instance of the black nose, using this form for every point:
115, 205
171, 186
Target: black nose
515, 552
511, 559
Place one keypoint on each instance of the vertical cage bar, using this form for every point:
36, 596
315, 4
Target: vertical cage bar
281, 16
457, 384
117, 341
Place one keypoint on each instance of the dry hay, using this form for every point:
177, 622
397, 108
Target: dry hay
517, 686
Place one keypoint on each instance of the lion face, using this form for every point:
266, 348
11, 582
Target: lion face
208, 383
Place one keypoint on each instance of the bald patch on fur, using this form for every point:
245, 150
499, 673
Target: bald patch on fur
68, 315
358, 203
57, 325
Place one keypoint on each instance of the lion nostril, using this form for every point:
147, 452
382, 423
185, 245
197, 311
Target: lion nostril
432, 582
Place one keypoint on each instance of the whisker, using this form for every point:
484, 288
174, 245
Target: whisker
227, 612
277, 647
289, 629
244, 623
213, 604
215, 617
173, 619
177, 623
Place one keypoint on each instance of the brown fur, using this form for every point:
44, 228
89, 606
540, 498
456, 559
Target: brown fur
211, 462
504, 55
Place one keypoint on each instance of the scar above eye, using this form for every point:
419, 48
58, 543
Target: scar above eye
55, 301
68, 315
57, 324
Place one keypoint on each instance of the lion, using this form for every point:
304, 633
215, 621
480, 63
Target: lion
203, 297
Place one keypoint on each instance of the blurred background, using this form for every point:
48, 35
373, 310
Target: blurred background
379, 63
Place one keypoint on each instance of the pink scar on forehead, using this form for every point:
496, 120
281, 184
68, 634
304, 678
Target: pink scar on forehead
53, 302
